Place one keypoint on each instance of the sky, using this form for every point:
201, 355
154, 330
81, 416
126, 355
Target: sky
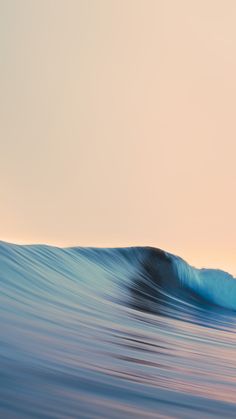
118, 125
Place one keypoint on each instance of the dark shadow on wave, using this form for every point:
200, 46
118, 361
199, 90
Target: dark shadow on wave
156, 290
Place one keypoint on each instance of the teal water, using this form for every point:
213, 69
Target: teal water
114, 333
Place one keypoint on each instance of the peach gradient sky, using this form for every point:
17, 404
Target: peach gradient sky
118, 125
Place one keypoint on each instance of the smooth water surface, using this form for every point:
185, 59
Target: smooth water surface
114, 333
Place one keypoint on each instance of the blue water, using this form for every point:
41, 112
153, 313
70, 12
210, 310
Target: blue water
114, 333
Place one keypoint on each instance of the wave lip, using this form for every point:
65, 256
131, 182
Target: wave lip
213, 285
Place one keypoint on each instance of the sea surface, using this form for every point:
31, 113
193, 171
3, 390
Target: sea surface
114, 333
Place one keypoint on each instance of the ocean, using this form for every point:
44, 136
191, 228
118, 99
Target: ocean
114, 333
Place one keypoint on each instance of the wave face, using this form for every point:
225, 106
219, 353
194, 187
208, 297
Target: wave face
114, 333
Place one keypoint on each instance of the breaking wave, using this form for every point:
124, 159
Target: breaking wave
110, 333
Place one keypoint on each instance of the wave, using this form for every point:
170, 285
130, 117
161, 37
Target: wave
159, 270
125, 332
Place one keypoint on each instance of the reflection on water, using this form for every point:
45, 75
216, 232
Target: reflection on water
89, 333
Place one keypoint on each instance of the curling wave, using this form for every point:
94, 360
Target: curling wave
126, 332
